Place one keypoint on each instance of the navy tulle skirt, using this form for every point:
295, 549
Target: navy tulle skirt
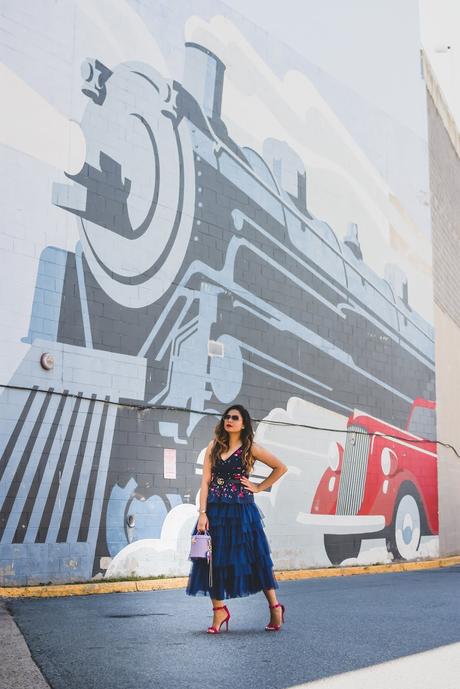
241, 562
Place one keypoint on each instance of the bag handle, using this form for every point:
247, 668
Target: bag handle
210, 563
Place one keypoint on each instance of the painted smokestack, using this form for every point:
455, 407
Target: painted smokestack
204, 78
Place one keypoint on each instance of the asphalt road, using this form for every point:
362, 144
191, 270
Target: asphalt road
156, 639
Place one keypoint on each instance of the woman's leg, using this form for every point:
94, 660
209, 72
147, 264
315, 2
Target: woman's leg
219, 615
275, 613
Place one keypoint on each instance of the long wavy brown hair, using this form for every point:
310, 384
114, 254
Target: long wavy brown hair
222, 439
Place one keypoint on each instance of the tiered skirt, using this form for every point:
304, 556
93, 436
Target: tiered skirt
241, 561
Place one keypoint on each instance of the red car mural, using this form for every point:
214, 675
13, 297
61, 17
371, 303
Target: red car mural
380, 486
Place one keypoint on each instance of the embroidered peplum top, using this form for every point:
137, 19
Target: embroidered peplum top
225, 483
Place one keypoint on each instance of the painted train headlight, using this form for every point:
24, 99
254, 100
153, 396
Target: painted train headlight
335, 457
389, 461
135, 195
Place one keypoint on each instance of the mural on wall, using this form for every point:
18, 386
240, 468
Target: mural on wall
371, 535
384, 481
202, 276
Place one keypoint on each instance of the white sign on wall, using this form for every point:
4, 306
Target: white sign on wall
169, 463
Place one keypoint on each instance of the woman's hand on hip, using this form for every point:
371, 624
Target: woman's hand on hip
203, 523
253, 487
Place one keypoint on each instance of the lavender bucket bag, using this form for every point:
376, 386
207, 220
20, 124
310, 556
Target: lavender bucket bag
201, 548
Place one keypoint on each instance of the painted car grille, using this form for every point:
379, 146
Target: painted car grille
353, 474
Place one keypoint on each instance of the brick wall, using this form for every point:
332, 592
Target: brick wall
445, 210
445, 207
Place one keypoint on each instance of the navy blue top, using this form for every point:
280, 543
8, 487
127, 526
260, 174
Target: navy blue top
225, 483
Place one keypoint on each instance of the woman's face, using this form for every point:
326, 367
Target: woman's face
233, 421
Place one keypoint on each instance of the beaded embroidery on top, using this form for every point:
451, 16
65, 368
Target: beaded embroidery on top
225, 483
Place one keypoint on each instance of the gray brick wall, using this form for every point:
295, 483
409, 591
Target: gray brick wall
445, 206
445, 210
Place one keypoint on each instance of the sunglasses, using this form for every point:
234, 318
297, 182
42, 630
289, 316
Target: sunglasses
233, 417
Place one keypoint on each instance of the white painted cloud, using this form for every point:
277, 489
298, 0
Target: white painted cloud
374, 552
167, 555
28, 123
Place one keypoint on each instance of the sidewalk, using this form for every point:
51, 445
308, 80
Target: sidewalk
436, 668
17, 669
89, 588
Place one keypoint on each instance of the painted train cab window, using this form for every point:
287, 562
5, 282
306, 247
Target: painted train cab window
422, 422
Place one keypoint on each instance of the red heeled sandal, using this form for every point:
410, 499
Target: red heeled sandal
215, 630
275, 627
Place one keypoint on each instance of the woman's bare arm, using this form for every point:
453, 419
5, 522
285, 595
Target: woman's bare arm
266, 457
206, 478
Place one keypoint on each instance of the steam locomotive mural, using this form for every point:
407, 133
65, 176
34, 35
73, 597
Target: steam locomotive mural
201, 278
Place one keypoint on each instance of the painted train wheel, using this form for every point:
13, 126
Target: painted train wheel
136, 213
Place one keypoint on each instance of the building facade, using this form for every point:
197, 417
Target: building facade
194, 215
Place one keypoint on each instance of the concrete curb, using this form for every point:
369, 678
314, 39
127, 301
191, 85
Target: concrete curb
86, 589
17, 667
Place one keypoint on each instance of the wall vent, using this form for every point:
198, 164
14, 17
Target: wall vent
215, 348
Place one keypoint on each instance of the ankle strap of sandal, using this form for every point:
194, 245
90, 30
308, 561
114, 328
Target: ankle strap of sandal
278, 605
222, 607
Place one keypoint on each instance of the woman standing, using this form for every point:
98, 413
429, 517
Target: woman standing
241, 562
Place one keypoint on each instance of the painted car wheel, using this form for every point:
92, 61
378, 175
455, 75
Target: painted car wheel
340, 548
406, 532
